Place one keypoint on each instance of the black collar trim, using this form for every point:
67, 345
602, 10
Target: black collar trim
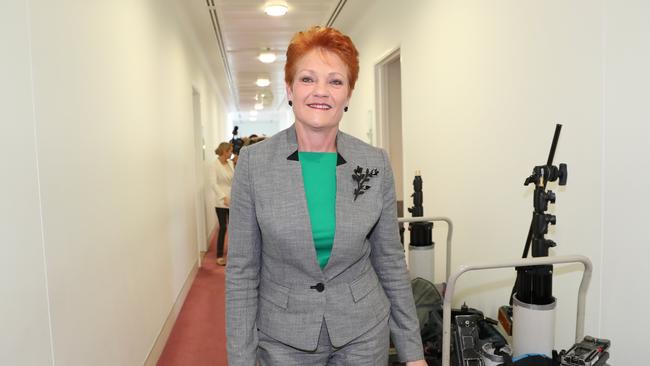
339, 158
293, 156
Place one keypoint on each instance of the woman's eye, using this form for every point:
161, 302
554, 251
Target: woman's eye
306, 79
337, 82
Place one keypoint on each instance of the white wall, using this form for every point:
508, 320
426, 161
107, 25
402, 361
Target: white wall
626, 248
483, 84
112, 95
24, 323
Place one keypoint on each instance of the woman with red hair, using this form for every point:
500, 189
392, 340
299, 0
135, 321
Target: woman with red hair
316, 273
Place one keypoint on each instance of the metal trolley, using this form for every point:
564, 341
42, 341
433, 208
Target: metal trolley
451, 285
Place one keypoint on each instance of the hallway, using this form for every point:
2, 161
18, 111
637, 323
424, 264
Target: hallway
111, 112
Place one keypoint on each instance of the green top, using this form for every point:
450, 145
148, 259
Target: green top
319, 177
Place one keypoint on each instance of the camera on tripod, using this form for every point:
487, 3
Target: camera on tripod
237, 142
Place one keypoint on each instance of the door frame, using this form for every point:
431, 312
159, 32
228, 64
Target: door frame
381, 96
199, 174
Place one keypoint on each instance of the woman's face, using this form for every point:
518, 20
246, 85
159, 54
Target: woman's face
320, 89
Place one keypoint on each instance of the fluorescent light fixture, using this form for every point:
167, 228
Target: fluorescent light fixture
276, 8
262, 82
266, 57
259, 106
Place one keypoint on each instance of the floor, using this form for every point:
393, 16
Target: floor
199, 334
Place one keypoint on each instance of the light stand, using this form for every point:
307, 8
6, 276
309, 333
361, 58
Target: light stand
421, 253
532, 297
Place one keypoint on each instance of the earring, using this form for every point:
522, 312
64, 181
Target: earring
345, 109
290, 104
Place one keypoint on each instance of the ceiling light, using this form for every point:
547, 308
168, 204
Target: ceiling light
253, 113
262, 82
276, 8
259, 106
266, 57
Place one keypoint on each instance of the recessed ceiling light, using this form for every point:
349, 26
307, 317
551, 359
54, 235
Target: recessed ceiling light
276, 8
266, 57
262, 82
259, 106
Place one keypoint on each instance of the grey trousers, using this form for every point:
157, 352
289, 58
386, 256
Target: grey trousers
370, 349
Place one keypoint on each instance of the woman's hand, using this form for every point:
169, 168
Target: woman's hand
226, 201
417, 363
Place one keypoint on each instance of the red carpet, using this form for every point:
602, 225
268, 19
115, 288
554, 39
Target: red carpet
199, 335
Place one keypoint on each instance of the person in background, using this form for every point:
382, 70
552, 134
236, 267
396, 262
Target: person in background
223, 171
316, 273
256, 139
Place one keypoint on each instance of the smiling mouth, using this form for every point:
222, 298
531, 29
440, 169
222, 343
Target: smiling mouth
321, 106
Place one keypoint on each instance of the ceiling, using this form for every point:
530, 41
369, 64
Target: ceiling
241, 30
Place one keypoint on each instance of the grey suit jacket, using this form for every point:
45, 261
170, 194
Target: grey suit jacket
274, 283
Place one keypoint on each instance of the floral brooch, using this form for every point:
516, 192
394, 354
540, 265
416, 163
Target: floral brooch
362, 178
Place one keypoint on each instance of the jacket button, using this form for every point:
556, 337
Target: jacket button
318, 287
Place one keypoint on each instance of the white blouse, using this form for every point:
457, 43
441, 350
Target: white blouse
221, 187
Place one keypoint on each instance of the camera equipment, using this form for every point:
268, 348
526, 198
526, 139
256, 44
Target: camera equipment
532, 295
478, 343
532, 316
237, 143
421, 253
588, 352
475, 337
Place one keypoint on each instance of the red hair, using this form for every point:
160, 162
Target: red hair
327, 39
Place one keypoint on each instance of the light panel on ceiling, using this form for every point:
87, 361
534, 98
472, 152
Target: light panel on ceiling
276, 8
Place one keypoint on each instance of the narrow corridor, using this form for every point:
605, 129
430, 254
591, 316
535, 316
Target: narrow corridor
112, 112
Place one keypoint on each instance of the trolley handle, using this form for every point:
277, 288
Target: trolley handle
450, 232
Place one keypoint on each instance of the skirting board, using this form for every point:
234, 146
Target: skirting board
163, 336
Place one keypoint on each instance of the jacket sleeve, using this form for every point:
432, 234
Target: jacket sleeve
242, 271
387, 257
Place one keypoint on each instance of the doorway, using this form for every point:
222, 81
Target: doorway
199, 189
388, 78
